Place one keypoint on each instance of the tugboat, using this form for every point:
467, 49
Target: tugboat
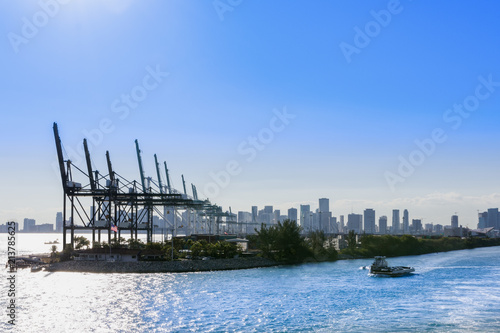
381, 268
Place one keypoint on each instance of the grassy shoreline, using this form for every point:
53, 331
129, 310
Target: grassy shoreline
394, 246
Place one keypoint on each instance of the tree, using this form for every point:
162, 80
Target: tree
316, 241
154, 246
198, 248
351, 240
283, 242
135, 244
66, 253
80, 242
116, 243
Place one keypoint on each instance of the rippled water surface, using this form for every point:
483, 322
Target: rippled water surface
451, 292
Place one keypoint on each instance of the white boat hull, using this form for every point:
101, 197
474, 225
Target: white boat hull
393, 271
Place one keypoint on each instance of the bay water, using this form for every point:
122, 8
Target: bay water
456, 291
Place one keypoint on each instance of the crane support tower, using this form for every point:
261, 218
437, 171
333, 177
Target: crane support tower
112, 204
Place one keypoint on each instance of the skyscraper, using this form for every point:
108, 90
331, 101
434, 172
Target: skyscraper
395, 221
334, 228
276, 216
355, 222
369, 218
382, 225
305, 217
29, 225
268, 209
255, 212
406, 222
492, 218
324, 215
292, 215
59, 222
454, 221
324, 205
417, 226
483, 220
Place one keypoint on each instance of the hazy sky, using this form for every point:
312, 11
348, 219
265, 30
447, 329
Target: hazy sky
381, 104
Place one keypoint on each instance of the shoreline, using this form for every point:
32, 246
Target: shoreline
188, 266
184, 266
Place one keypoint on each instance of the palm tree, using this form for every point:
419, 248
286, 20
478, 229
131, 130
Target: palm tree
80, 242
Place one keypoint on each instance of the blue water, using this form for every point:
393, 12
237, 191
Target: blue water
451, 292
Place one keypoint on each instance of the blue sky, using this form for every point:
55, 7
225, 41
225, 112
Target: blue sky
222, 73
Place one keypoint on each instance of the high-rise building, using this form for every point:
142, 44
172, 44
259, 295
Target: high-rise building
59, 222
334, 228
29, 225
406, 222
382, 225
244, 217
483, 220
305, 217
369, 218
315, 221
342, 224
46, 227
324, 215
454, 221
355, 222
395, 221
416, 226
7, 227
255, 212
292, 215
276, 216
266, 218
492, 218
324, 205
268, 209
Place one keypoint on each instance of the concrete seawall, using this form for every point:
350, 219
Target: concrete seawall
160, 266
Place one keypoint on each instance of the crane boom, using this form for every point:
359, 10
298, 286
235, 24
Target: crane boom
110, 168
141, 170
168, 179
184, 184
158, 174
89, 164
64, 175
195, 197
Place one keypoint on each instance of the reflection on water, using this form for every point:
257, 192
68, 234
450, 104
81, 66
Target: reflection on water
455, 291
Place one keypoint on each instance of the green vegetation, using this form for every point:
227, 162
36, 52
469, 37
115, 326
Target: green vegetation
80, 242
392, 246
135, 244
321, 247
66, 253
215, 250
181, 248
351, 240
284, 243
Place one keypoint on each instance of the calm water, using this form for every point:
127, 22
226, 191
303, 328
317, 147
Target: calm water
451, 292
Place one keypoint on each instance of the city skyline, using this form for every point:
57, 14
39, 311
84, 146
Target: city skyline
367, 104
310, 220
